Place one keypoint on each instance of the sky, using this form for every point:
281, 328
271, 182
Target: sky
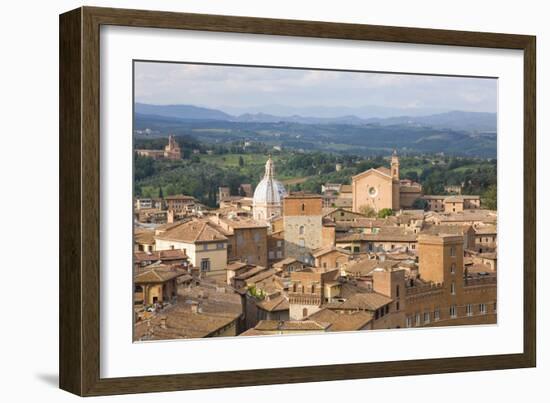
237, 89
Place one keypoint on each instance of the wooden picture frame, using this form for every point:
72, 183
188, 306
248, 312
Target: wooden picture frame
80, 195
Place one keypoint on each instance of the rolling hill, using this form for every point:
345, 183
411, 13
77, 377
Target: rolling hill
365, 139
454, 120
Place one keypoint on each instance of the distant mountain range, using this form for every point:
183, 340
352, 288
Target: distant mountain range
186, 112
453, 120
323, 111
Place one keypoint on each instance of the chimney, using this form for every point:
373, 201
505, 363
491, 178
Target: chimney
170, 217
163, 322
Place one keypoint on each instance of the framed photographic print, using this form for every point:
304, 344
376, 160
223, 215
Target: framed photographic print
352, 201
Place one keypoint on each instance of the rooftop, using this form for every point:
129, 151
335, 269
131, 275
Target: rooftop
443, 197
365, 266
239, 222
234, 266
274, 304
250, 273
291, 325
323, 251
180, 321
486, 230
302, 195
479, 268
260, 276
179, 197
191, 232
387, 234
157, 273
163, 255
479, 215
365, 222
488, 255
144, 236
369, 301
440, 238
432, 229
340, 322
285, 261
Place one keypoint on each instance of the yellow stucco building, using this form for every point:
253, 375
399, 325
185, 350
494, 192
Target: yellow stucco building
204, 244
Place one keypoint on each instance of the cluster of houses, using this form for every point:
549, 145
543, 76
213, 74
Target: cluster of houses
277, 263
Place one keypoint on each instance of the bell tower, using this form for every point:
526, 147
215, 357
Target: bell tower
395, 165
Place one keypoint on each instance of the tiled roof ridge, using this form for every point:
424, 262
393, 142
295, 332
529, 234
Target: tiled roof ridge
154, 271
197, 237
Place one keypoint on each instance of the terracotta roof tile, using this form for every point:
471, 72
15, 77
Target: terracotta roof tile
486, 230
163, 255
193, 231
366, 266
340, 322
387, 234
146, 237
285, 261
157, 273
432, 229
370, 301
181, 322
329, 249
251, 273
291, 325
179, 197
279, 303
260, 277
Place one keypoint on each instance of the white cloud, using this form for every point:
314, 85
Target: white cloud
209, 85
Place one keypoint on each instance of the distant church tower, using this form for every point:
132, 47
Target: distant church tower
395, 165
172, 151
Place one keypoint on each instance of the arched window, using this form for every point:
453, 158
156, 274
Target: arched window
301, 230
304, 312
303, 207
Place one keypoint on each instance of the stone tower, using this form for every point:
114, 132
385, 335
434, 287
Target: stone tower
441, 258
395, 165
303, 225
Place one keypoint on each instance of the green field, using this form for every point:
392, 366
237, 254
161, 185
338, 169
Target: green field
232, 160
201, 174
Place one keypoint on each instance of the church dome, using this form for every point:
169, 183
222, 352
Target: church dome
269, 190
